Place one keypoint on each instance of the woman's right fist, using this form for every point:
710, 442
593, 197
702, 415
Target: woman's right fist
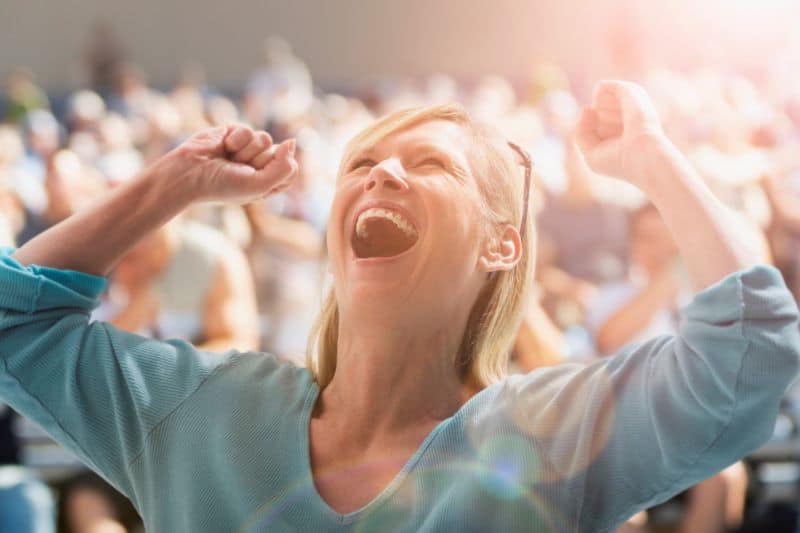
231, 163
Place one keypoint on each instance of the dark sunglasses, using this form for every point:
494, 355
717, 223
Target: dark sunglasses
526, 161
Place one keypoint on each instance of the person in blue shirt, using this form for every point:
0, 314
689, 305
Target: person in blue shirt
403, 420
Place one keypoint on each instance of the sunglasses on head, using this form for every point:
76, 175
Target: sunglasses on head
526, 162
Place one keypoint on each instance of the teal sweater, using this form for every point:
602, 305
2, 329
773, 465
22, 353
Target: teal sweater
204, 442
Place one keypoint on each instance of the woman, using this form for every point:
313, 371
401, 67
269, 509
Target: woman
378, 434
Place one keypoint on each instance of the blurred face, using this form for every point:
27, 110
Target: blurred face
145, 261
407, 227
652, 246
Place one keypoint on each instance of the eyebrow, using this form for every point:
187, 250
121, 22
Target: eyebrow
424, 149
421, 149
358, 156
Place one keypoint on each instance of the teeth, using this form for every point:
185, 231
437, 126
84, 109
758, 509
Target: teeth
377, 212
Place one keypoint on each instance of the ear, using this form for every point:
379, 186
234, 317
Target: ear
501, 252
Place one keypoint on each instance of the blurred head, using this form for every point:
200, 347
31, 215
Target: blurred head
71, 185
163, 119
544, 78
560, 111
11, 147
221, 111
12, 215
494, 97
277, 50
145, 261
115, 133
42, 131
85, 109
19, 80
424, 230
652, 245
130, 79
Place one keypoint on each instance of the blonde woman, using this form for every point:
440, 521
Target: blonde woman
431, 258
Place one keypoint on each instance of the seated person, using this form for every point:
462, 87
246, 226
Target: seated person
186, 280
376, 432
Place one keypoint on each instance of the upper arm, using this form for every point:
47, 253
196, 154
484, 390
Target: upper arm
97, 390
662, 415
687, 406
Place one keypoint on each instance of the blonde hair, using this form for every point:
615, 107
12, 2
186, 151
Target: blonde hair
496, 315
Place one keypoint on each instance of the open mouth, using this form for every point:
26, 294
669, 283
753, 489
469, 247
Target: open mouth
382, 233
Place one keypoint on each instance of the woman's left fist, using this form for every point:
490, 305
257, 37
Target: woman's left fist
619, 131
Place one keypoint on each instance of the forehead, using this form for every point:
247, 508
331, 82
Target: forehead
444, 135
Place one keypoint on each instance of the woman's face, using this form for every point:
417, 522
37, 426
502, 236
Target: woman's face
406, 229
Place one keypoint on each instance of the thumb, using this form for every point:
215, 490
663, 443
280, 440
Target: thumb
283, 165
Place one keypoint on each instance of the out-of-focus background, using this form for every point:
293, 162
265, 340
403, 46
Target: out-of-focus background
95, 91
350, 42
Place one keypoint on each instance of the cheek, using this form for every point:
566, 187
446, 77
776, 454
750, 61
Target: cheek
460, 229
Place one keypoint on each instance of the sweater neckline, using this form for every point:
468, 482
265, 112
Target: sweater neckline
383, 495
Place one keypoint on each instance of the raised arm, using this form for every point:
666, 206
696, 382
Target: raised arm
97, 390
228, 164
621, 136
664, 414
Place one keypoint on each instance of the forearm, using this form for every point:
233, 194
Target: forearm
94, 239
708, 234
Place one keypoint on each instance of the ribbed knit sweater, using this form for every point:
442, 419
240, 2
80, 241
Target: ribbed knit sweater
205, 442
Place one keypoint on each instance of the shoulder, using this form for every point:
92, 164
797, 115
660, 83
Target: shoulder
552, 404
245, 372
527, 396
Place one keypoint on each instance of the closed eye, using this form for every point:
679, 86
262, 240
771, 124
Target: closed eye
432, 161
361, 163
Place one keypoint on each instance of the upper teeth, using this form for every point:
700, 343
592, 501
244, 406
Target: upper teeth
377, 212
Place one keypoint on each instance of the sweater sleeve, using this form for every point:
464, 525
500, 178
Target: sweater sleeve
96, 390
638, 427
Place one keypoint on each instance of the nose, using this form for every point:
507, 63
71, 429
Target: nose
388, 174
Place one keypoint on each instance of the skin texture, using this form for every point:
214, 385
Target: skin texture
408, 313
95, 239
400, 320
620, 136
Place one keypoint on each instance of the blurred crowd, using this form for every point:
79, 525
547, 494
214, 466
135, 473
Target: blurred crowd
251, 277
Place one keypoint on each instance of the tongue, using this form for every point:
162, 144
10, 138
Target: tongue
384, 239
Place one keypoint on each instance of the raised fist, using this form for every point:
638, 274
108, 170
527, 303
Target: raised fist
619, 130
231, 163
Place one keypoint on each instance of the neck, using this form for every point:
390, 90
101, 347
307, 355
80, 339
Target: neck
392, 379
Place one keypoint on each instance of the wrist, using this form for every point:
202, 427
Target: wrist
648, 151
172, 181
664, 171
